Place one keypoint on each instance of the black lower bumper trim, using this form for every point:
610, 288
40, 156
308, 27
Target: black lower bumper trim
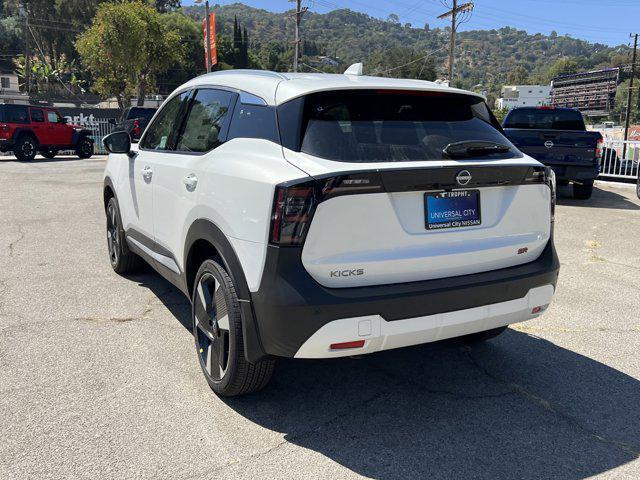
575, 172
290, 305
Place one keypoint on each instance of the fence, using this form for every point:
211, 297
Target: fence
617, 163
101, 128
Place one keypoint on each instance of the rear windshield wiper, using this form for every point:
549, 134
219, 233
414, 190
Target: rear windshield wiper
473, 148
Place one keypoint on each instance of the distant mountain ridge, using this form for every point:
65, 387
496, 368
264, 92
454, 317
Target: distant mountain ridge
486, 57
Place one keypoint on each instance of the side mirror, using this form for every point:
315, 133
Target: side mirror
112, 121
118, 142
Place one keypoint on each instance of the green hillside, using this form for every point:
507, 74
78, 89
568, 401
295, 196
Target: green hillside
487, 57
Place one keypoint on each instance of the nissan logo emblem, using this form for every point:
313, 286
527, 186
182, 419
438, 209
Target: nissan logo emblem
548, 144
463, 177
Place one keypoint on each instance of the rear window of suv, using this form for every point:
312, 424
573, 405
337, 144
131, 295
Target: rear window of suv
14, 114
386, 125
544, 119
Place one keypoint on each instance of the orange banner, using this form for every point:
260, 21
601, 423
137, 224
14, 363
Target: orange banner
212, 40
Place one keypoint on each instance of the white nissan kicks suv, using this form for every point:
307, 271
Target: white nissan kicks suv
320, 216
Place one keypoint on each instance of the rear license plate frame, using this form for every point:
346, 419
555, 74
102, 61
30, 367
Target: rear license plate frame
466, 200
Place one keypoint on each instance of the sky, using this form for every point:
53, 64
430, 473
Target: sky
602, 21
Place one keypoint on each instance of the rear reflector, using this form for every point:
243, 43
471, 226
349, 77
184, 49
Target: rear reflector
343, 345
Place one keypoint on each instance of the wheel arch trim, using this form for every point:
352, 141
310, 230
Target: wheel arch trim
204, 229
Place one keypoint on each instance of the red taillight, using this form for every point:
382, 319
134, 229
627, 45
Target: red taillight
292, 210
345, 345
294, 205
4, 130
599, 148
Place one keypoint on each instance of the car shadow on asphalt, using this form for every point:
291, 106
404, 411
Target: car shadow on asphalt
517, 406
599, 199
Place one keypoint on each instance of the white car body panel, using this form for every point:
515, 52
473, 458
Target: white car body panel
388, 240
379, 334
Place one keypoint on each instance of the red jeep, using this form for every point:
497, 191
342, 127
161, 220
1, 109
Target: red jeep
28, 130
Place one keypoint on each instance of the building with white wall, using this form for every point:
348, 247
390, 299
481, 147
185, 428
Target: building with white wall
524, 96
10, 89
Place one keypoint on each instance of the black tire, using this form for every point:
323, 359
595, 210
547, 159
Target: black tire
217, 331
584, 191
49, 153
483, 336
26, 148
638, 186
121, 258
84, 149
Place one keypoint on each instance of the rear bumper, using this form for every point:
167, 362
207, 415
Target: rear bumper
379, 334
290, 307
575, 172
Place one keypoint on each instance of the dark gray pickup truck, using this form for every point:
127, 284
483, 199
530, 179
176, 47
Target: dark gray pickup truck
557, 138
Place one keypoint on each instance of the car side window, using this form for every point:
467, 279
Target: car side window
16, 114
53, 117
37, 115
254, 121
162, 132
206, 122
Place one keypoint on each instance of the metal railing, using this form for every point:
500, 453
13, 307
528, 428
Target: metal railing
101, 129
614, 164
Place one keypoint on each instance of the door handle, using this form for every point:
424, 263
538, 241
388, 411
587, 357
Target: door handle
190, 181
147, 173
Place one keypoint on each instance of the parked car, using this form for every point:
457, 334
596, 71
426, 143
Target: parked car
638, 184
134, 120
28, 130
322, 216
558, 138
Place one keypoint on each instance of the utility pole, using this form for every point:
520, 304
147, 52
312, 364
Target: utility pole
298, 13
27, 53
455, 10
629, 97
206, 12
207, 35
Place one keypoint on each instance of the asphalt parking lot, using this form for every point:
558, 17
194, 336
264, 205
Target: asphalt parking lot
98, 376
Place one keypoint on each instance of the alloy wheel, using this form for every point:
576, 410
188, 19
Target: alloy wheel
113, 239
211, 326
86, 147
28, 148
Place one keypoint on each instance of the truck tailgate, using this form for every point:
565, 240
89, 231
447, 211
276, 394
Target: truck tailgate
556, 146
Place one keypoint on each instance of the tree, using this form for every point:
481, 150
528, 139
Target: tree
518, 76
191, 63
125, 48
620, 110
403, 63
54, 24
164, 6
564, 66
500, 113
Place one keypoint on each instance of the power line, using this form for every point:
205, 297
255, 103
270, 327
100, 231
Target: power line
378, 72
